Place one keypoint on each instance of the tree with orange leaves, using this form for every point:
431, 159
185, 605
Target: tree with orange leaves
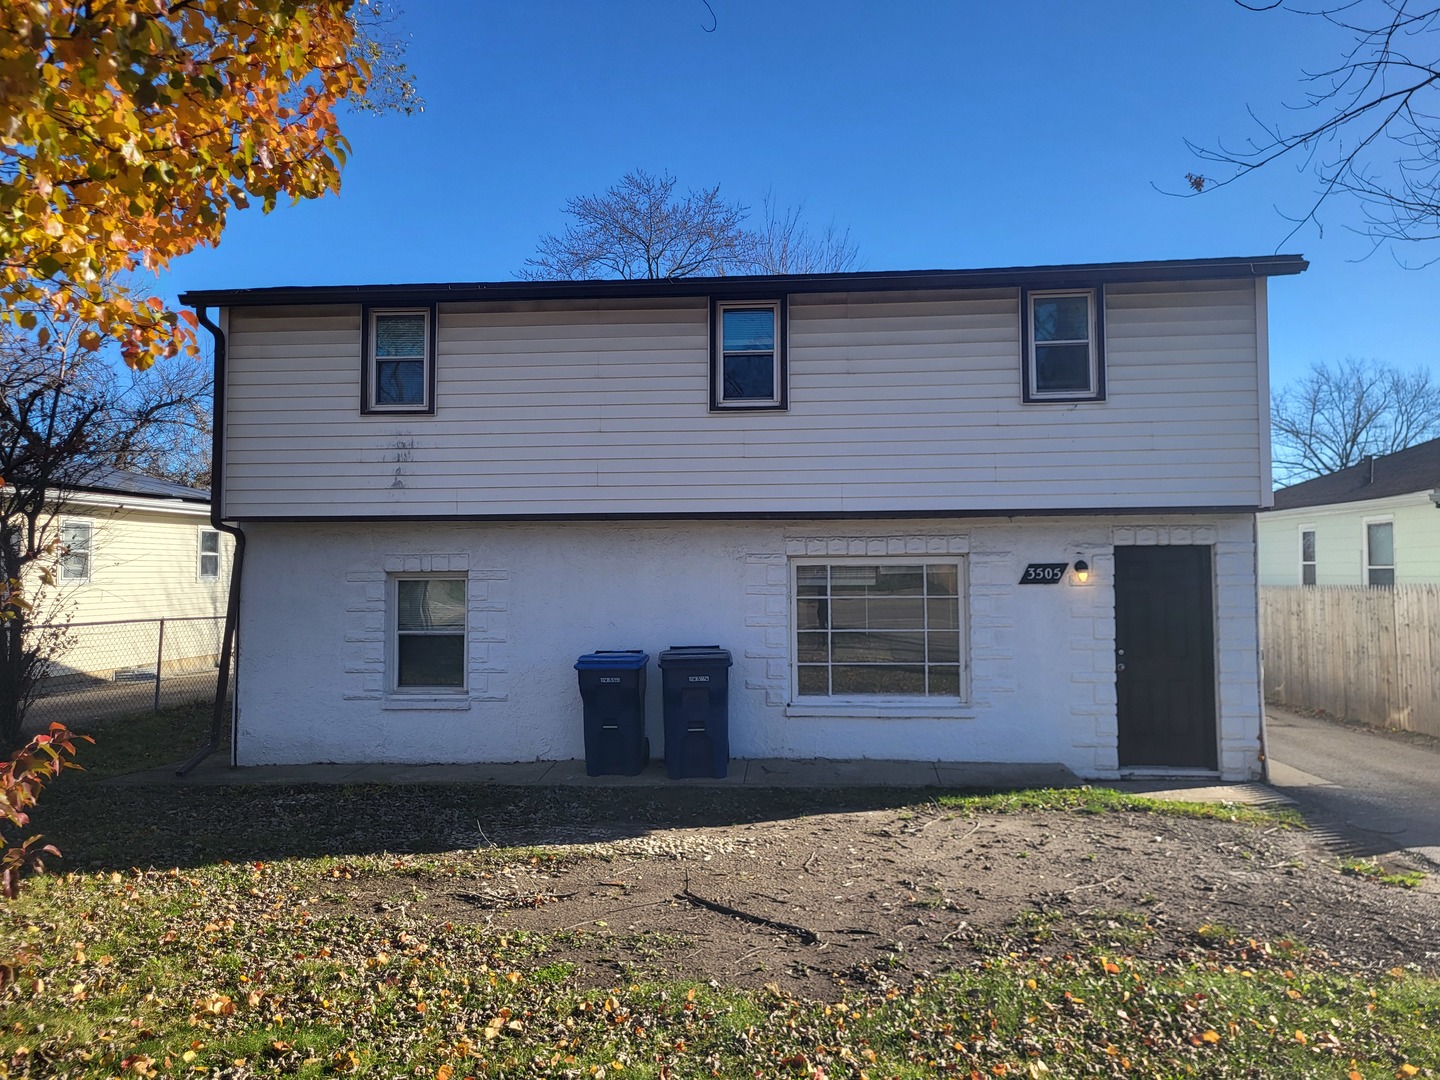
129, 128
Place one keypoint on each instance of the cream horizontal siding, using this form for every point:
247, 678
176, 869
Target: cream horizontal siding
902, 401
1340, 540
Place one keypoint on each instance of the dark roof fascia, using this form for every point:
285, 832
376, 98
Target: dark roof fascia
742, 288
756, 515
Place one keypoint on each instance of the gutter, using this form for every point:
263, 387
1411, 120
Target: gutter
237, 566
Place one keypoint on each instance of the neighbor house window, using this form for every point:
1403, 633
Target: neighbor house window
879, 629
77, 540
429, 633
748, 356
1064, 337
209, 568
1307, 556
1380, 553
399, 360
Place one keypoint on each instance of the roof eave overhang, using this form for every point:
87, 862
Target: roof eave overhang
1034, 277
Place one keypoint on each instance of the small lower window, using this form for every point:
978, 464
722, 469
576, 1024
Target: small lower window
76, 542
872, 629
1380, 553
209, 568
429, 641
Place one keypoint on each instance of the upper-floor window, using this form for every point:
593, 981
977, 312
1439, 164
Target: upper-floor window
209, 568
1380, 553
747, 356
77, 538
1307, 556
1064, 345
399, 360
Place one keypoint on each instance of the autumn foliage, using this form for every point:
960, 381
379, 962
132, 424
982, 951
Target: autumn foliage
22, 778
128, 130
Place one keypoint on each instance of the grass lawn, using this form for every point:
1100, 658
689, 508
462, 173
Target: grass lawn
236, 956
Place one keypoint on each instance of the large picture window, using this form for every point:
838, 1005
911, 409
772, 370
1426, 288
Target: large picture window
892, 629
429, 633
399, 360
1064, 344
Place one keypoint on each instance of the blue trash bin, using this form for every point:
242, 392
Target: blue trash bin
695, 683
612, 688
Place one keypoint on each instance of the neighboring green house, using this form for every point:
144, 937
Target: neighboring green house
1375, 523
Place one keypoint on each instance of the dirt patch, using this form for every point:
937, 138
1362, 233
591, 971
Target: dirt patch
815, 903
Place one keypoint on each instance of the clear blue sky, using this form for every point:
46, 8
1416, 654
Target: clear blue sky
942, 134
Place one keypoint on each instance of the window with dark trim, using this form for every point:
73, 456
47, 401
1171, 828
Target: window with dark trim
747, 355
1307, 556
399, 371
1063, 331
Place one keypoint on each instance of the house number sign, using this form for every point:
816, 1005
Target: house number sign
1044, 573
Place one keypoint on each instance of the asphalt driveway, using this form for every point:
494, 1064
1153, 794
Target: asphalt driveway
1378, 792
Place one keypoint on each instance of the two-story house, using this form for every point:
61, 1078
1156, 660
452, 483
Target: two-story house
980, 515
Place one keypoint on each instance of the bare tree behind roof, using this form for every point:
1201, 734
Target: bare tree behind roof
1369, 123
640, 227
1334, 418
784, 244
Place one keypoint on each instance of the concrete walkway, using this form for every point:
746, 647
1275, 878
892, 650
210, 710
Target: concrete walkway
1377, 793
752, 773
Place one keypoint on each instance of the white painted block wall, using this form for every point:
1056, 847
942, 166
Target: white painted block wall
313, 636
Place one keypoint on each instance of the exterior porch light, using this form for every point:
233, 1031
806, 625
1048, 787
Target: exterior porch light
1082, 571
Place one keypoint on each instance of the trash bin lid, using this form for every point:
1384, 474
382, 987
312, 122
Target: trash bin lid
613, 660
695, 654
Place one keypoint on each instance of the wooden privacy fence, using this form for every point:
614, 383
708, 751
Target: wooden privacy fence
1368, 654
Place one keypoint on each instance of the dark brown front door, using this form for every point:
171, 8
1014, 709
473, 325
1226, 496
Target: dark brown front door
1165, 657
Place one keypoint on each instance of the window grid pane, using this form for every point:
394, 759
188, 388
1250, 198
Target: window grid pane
878, 629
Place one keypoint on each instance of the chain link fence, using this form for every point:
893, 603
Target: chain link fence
110, 669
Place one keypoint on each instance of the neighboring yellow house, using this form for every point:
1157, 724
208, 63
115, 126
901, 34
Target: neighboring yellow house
136, 551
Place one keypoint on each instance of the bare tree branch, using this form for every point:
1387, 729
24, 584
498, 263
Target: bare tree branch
1373, 127
1336, 417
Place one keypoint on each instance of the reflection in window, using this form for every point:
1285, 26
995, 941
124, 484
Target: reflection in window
886, 629
429, 633
1380, 553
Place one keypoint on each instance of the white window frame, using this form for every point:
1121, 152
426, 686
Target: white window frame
89, 550
900, 704
1366, 565
1096, 326
393, 634
780, 398
201, 531
1313, 563
372, 361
